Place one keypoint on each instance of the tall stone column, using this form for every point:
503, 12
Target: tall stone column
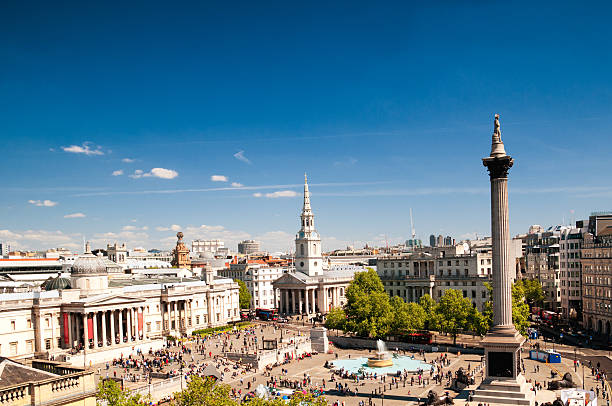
307, 294
292, 301
504, 383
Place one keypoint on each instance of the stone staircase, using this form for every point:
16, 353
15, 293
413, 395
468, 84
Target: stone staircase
505, 392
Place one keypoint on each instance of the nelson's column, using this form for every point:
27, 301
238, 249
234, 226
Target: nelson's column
504, 382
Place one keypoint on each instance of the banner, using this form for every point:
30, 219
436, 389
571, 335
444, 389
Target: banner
66, 330
89, 328
140, 321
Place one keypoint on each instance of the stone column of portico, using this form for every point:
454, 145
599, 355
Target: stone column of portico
94, 320
307, 298
292, 301
85, 333
104, 336
175, 318
120, 327
313, 300
111, 322
285, 300
128, 316
300, 302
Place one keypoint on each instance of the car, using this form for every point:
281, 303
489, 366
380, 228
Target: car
281, 320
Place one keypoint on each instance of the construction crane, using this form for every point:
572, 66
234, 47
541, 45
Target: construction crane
412, 225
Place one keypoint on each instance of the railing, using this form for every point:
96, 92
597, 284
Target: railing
13, 394
65, 384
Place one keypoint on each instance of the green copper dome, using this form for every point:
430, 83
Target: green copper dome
56, 283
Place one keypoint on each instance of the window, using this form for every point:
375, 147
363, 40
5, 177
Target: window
148, 327
48, 322
29, 345
59, 342
158, 325
13, 326
48, 344
197, 319
13, 348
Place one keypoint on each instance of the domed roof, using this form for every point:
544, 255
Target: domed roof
88, 263
56, 283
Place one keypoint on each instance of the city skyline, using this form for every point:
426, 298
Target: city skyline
205, 122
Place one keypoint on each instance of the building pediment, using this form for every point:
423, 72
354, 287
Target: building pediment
290, 279
107, 300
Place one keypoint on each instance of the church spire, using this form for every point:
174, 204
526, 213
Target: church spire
306, 207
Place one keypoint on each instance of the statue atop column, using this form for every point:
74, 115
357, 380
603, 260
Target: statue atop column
496, 128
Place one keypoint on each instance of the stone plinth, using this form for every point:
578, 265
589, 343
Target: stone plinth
318, 339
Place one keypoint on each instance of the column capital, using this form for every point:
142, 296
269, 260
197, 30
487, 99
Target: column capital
498, 167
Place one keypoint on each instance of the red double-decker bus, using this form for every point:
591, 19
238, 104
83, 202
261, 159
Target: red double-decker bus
266, 314
418, 337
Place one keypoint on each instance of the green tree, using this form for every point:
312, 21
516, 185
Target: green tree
406, 316
430, 306
368, 310
534, 294
110, 391
201, 391
244, 296
336, 319
454, 311
520, 309
204, 391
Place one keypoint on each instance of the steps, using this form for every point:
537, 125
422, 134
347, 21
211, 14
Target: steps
505, 392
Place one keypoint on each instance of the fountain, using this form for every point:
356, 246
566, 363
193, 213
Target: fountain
382, 357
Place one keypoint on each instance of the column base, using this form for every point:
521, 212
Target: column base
511, 391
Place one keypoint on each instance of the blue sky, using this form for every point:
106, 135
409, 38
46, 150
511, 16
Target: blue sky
387, 106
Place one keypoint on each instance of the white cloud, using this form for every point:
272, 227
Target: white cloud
86, 149
118, 172
128, 160
257, 194
129, 228
74, 216
164, 173
161, 173
137, 174
173, 227
281, 193
218, 178
240, 156
236, 184
43, 203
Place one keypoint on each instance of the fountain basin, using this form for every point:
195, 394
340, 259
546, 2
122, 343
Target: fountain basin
374, 362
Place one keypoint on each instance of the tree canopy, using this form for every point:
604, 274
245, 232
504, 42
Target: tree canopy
244, 296
534, 294
111, 392
368, 311
456, 312
202, 391
336, 319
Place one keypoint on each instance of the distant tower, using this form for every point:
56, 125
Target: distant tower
308, 258
180, 253
440, 241
432, 240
